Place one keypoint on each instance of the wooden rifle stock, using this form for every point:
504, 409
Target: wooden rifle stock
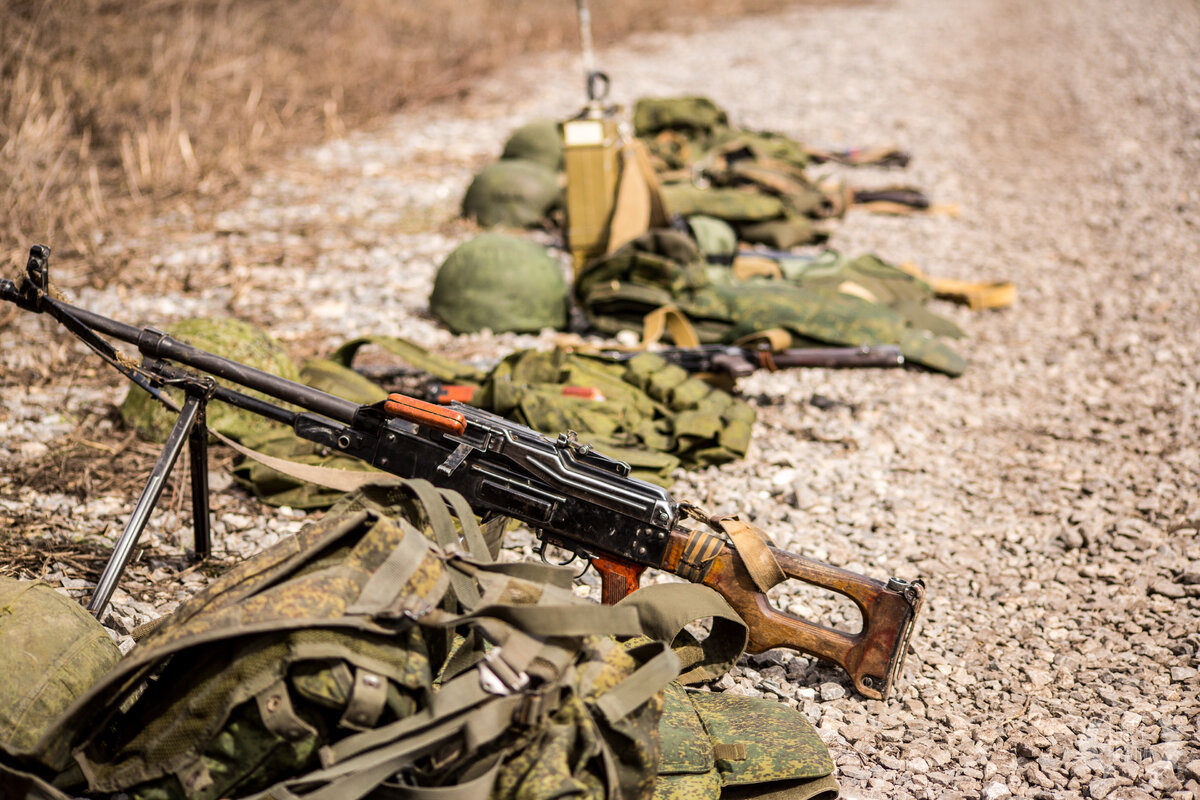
873, 657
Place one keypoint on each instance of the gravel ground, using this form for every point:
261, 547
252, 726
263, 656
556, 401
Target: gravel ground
1048, 497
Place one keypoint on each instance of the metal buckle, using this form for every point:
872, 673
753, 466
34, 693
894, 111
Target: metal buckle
497, 677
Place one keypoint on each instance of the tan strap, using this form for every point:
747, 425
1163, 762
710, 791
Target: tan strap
343, 480
729, 751
368, 697
631, 207
668, 318
279, 716
857, 290
775, 339
659, 218
746, 267
754, 546
902, 209
976, 295
638, 206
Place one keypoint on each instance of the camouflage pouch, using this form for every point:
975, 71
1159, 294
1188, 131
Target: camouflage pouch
53, 652
712, 741
783, 233
733, 205
647, 405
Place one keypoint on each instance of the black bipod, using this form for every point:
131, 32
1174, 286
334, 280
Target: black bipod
189, 427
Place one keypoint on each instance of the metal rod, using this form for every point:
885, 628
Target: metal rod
157, 344
198, 460
123, 549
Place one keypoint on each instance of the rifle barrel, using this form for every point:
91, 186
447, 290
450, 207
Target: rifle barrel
156, 344
883, 355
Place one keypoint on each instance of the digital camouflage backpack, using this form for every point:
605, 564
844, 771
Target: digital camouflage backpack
382, 652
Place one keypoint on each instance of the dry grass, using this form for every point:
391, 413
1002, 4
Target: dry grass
110, 109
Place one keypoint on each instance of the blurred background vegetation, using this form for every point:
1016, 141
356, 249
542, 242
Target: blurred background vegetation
113, 109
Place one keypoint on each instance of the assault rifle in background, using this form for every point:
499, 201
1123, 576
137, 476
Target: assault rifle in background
715, 359
737, 362
571, 495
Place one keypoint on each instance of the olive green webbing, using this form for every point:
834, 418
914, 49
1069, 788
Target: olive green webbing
823, 788
639, 687
163, 745
390, 577
666, 609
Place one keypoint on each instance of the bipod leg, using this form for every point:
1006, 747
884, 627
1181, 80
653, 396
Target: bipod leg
192, 408
198, 459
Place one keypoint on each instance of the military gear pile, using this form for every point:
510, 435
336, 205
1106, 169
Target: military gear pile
382, 651
501, 283
755, 180
829, 299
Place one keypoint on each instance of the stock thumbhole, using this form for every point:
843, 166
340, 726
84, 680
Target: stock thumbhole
818, 605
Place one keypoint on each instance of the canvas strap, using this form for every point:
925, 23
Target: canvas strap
754, 546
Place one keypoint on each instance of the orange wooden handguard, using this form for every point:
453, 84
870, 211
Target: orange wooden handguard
451, 392
428, 414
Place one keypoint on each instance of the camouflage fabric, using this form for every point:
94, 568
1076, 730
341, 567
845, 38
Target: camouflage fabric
711, 741
230, 338
53, 652
715, 238
747, 178
653, 415
651, 115
539, 141
781, 233
884, 283
831, 300
514, 192
730, 204
501, 283
362, 639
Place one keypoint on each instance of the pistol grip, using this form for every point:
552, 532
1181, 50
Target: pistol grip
618, 579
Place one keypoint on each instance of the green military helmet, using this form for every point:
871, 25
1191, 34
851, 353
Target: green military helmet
513, 191
502, 283
539, 141
230, 338
715, 237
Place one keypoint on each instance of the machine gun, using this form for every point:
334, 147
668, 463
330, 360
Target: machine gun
570, 494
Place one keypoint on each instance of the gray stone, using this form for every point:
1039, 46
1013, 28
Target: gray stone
996, 790
831, 691
1161, 775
